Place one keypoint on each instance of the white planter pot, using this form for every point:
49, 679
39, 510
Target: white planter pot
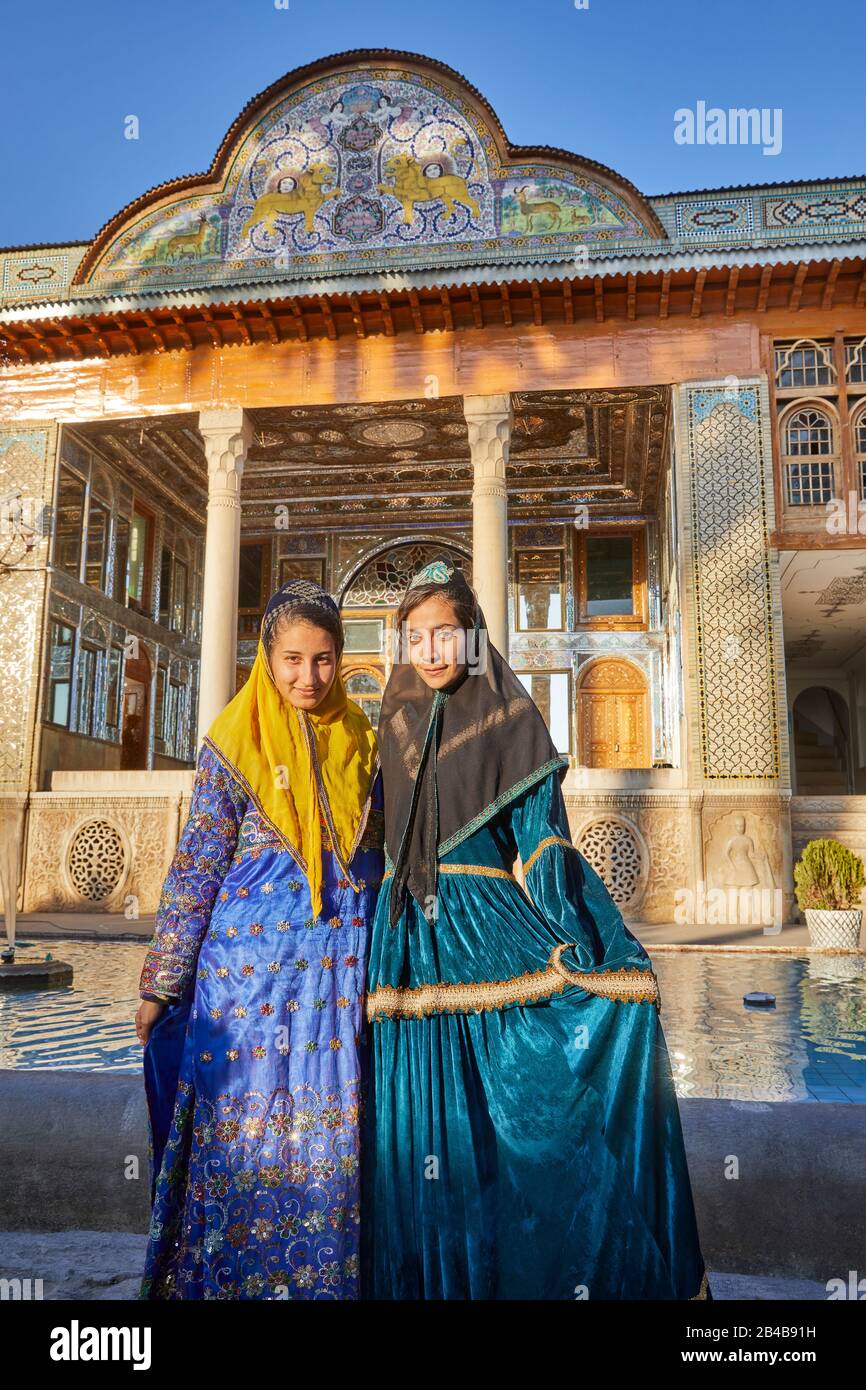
834, 929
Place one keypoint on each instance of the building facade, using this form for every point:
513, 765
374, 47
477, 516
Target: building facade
372, 332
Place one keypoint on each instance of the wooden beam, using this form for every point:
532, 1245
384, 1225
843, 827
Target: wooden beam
665, 297
182, 330
731, 296
212, 327
124, 331
240, 320
568, 301
387, 316
767, 359
415, 309
850, 481
357, 316
446, 309
155, 331
698, 293
299, 321
797, 287
68, 338
764, 290
143, 331
832, 277
270, 325
328, 316
477, 316
9, 336
42, 339
537, 316
631, 296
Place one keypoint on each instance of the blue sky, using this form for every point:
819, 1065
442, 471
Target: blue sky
604, 81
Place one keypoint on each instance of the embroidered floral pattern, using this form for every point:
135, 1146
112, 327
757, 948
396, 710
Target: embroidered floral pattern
197, 870
290, 1229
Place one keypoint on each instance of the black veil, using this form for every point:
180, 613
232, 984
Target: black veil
452, 759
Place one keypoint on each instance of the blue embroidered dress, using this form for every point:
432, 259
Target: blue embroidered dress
523, 1139
253, 1074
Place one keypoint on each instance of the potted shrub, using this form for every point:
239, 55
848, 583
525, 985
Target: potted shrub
828, 881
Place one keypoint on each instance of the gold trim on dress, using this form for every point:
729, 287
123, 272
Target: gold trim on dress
623, 985
486, 870
539, 849
702, 1291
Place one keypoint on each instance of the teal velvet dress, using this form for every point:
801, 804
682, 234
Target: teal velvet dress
522, 1137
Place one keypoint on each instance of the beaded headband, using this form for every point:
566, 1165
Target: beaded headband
296, 593
437, 572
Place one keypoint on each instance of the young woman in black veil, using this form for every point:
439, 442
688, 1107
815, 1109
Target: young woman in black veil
522, 1135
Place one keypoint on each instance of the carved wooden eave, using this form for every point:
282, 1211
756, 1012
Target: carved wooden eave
64, 332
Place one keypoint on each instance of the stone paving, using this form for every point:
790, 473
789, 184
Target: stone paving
103, 1265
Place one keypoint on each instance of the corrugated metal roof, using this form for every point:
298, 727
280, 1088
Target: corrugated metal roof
798, 185
448, 277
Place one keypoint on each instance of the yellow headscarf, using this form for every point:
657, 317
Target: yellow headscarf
300, 766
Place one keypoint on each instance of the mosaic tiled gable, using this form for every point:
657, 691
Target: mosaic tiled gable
730, 504
365, 170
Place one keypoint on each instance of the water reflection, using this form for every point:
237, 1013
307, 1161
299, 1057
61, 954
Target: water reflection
87, 1026
811, 1047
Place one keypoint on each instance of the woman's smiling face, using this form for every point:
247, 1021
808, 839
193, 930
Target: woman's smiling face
436, 642
303, 661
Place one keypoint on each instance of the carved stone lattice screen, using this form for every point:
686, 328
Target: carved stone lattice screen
728, 506
96, 860
609, 845
382, 582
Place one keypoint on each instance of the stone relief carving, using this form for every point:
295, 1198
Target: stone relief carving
741, 850
667, 837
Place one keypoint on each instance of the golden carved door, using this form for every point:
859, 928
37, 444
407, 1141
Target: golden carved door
613, 710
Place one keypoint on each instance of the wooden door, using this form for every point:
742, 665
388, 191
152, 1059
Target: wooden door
613, 709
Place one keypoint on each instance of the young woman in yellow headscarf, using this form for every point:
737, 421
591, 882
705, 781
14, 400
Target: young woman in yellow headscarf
252, 986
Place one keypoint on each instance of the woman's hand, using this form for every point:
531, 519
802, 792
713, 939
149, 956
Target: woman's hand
148, 1012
